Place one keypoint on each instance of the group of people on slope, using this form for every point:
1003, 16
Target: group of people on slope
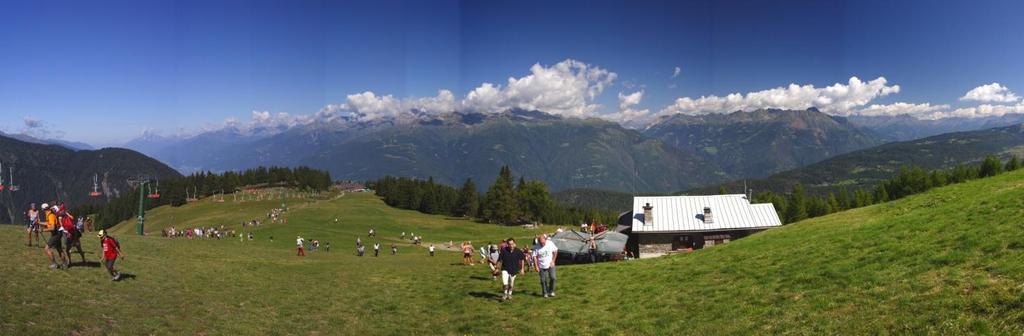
65, 234
508, 261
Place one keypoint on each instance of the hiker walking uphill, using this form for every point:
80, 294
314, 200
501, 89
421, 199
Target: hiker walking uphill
53, 243
511, 260
111, 251
299, 242
376, 249
72, 235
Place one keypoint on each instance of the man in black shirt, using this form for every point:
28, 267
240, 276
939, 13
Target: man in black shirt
511, 260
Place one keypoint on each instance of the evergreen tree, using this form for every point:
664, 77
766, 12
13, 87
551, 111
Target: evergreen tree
535, 201
833, 203
881, 195
500, 201
1012, 164
469, 201
796, 209
990, 167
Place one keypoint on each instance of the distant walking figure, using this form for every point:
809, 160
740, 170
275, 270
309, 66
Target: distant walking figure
299, 242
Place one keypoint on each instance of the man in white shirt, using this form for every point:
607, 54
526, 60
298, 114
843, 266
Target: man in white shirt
545, 255
299, 242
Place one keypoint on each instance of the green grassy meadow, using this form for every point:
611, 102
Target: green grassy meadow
950, 261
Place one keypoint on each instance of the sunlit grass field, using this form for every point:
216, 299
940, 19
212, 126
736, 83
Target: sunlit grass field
949, 261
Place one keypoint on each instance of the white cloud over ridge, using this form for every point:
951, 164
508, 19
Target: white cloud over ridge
894, 109
837, 99
567, 89
994, 92
628, 115
571, 88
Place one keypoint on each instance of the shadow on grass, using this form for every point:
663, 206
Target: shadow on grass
480, 277
485, 295
126, 276
90, 264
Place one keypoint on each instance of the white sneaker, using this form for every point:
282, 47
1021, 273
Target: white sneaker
552, 294
546, 295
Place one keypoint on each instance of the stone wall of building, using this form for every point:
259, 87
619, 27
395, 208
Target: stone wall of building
654, 243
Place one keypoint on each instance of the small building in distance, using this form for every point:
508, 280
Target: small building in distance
659, 225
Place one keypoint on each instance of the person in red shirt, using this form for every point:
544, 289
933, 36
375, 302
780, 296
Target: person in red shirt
111, 250
72, 236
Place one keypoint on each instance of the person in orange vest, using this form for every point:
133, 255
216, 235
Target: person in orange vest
54, 242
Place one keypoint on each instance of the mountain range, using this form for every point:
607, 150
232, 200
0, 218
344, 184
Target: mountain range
675, 153
904, 127
865, 168
564, 152
72, 145
48, 172
762, 142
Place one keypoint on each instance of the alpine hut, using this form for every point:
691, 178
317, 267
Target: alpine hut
662, 224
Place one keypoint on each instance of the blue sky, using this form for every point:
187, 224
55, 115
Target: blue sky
104, 71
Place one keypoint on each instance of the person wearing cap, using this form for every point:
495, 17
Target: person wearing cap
111, 250
54, 242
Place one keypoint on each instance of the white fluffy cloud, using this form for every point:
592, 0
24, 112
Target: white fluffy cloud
916, 110
628, 114
368, 105
838, 99
567, 88
570, 88
994, 92
627, 101
984, 110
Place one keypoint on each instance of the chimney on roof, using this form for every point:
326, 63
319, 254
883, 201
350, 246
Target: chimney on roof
708, 219
648, 214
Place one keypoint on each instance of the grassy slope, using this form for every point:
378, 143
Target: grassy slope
948, 261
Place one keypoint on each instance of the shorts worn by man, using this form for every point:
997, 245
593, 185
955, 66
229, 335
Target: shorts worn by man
32, 226
54, 242
511, 260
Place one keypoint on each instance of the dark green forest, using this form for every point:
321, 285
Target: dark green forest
175, 191
798, 204
506, 201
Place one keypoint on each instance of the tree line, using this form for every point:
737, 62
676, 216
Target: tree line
506, 201
799, 205
176, 191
